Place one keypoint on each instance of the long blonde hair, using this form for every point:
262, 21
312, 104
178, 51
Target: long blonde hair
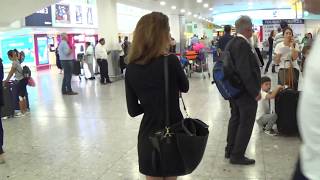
151, 38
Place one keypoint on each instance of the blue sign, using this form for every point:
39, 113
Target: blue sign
21, 43
43, 50
40, 18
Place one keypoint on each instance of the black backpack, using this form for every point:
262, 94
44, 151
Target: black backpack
26, 72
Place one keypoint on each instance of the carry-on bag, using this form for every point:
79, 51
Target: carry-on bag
76, 68
7, 110
286, 104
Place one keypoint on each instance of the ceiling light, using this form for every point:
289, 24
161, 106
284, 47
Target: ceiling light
199, 1
182, 10
195, 15
200, 17
173, 7
189, 13
162, 3
211, 9
206, 5
250, 3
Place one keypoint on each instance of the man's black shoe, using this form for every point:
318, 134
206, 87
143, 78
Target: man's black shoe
273, 69
242, 161
227, 154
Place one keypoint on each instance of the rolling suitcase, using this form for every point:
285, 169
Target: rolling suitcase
7, 110
76, 68
286, 104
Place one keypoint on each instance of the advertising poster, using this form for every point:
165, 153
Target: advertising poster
62, 14
21, 43
296, 24
43, 50
79, 15
40, 18
89, 16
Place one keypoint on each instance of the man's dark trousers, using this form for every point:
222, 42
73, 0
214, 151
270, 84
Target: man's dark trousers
243, 114
104, 73
1, 135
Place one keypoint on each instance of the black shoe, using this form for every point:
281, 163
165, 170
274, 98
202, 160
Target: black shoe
273, 69
109, 82
265, 71
242, 161
227, 154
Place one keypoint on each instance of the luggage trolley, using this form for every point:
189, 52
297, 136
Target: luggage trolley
198, 62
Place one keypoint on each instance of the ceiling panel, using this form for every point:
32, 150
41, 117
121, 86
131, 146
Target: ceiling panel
12, 10
218, 6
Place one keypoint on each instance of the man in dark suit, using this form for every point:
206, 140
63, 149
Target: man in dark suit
243, 108
1, 104
223, 41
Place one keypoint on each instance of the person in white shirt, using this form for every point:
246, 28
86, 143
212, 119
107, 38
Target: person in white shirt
89, 59
287, 53
101, 54
309, 111
264, 117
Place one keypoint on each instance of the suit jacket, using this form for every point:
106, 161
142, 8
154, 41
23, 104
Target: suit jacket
246, 64
1, 78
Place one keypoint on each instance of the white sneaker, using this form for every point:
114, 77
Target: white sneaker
270, 133
275, 128
19, 114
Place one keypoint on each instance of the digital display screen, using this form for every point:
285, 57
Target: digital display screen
21, 43
43, 50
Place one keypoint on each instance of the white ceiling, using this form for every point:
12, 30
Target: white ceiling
218, 6
12, 10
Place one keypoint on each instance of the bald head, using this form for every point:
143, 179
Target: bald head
244, 26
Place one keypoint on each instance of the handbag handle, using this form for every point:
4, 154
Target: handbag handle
166, 90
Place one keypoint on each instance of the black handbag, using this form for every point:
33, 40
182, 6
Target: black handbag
184, 141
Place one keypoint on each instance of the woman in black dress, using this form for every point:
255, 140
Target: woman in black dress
144, 82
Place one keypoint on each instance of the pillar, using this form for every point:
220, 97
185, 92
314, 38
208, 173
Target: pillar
108, 29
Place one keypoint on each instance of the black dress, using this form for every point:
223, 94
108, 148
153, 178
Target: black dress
145, 95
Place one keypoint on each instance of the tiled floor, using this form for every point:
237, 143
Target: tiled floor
91, 136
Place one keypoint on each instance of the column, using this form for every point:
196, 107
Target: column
107, 21
177, 29
108, 29
182, 25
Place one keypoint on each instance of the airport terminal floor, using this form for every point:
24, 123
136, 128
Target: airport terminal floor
91, 136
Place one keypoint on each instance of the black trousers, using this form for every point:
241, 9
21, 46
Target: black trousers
243, 114
269, 61
1, 135
260, 56
104, 74
298, 175
122, 64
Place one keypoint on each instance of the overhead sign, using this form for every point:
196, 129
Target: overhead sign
296, 24
40, 18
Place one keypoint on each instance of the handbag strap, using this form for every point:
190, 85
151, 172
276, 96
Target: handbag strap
166, 90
